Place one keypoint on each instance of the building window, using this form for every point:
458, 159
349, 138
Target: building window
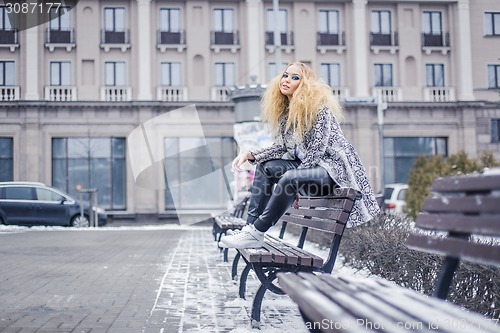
495, 130
383, 75
60, 73
330, 73
494, 76
6, 160
60, 26
224, 32
199, 163
170, 19
91, 163
115, 73
400, 154
282, 24
328, 30
432, 25
492, 24
170, 73
114, 26
5, 23
170, 26
7, 73
381, 33
224, 74
434, 75
273, 71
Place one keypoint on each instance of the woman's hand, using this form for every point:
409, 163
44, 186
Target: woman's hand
242, 157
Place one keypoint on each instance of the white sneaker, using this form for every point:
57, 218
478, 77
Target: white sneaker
233, 231
247, 238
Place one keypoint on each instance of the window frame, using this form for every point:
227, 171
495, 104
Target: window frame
493, 76
170, 65
224, 67
115, 63
4, 75
434, 76
490, 23
60, 63
113, 23
382, 79
168, 12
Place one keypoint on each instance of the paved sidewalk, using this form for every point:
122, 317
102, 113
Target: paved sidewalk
121, 280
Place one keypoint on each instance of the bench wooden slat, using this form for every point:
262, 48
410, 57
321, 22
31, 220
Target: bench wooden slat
291, 257
333, 214
386, 300
466, 184
278, 256
475, 224
470, 204
334, 203
304, 258
457, 248
325, 225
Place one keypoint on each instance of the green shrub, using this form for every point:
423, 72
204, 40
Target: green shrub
426, 169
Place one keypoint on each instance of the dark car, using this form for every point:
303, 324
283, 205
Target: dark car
28, 203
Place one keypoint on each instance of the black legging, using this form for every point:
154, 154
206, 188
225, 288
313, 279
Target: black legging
268, 204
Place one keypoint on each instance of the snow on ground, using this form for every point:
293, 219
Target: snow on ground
196, 293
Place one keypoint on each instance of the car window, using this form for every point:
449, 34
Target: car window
44, 194
388, 193
19, 193
401, 194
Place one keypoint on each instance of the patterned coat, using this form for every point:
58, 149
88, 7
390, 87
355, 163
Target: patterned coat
325, 145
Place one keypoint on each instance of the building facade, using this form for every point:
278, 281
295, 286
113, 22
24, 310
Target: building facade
416, 77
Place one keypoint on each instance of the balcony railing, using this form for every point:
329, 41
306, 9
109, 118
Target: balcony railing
171, 93
387, 94
224, 38
435, 40
9, 37
220, 94
116, 94
115, 39
341, 92
286, 38
436, 43
329, 39
171, 38
330, 42
59, 36
390, 39
9, 93
60, 93
439, 94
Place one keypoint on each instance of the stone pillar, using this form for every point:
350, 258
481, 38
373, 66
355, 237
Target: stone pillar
31, 47
359, 49
144, 50
463, 51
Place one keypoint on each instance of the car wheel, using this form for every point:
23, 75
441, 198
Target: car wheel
80, 221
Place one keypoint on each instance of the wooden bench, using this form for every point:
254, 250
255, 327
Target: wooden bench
327, 214
465, 208
229, 221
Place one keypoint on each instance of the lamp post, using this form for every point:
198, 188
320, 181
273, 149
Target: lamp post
277, 36
381, 107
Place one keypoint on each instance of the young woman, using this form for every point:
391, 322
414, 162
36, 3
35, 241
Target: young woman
310, 155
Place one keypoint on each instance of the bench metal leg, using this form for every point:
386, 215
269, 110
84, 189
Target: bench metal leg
266, 283
243, 280
234, 270
257, 305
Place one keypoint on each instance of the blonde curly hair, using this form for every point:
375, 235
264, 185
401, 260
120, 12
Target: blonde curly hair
311, 96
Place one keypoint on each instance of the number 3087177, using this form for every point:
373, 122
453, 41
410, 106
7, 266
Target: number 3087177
32, 7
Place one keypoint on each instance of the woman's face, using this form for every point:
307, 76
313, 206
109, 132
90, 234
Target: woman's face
290, 80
